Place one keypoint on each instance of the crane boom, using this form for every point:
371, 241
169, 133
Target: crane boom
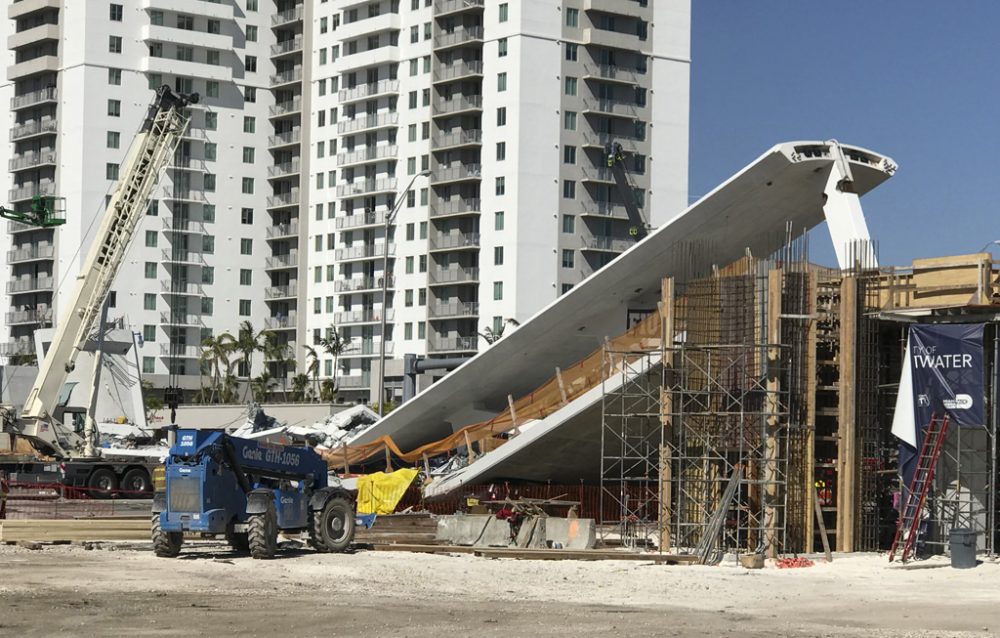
152, 149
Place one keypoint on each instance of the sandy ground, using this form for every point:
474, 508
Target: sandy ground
124, 590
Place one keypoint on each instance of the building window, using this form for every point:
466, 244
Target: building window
421, 330
250, 64
153, 209
569, 120
184, 54
502, 81
246, 277
498, 220
569, 189
407, 331
570, 86
415, 33
208, 244
568, 224
246, 216
185, 22
247, 186
116, 12
251, 33
149, 301
208, 185
566, 288
501, 151
151, 238
497, 291
150, 270
246, 246
208, 275
115, 44
114, 108
572, 17
249, 94
111, 171
503, 12
213, 57
244, 307
502, 48
208, 213
571, 51
501, 186
502, 116
211, 121
408, 297
115, 77
317, 305
569, 155
114, 139
423, 230
409, 265
248, 155
211, 88
249, 124
498, 256
213, 26
567, 258
211, 151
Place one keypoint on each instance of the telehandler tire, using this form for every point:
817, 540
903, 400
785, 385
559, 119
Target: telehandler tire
263, 533
333, 527
165, 544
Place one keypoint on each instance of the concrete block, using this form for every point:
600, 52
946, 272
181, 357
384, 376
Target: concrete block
532, 533
481, 530
571, 533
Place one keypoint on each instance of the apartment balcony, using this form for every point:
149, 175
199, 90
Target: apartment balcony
290, 347
181, 319
16, 10
285, 169
601, 175
630, 8
457, 71
360, 220
18, 227
366, 348
288, 138
35, 98
286, 47
367, 315
285, 78
183, 195
169, 66
447, 208
290, 198
368, 122
287, 107
283, 231
30, 284
367, 187
613, 108
454, 241
33, 36
185, 257
607, 244
452, 344
364, 251
368, 91
453, 310
286, 17
456, 105
448, 276
601, 140
22, 193
277, 262
290, 291
369, 25
181, 225
33, 129
218, 10
457, 138
281, 322
186, 37
363, 284
604, 209
460, 173
180, 287
188, 164
17, 347
612, 39
192, 133
445, 7
30, 253
28, 316
460, 36
181, 351
361, 381
364, 155
611, 73
41, 64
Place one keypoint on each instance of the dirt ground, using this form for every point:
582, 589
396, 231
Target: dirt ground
124, 590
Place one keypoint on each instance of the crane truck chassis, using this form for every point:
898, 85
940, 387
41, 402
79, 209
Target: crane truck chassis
248, 490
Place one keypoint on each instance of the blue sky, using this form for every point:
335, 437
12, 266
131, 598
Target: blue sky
916, 81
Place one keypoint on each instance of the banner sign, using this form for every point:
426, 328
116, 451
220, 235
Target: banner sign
946, 362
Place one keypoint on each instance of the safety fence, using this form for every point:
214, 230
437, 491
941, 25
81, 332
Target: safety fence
56, 501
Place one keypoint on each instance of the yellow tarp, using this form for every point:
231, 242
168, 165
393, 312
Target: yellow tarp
379, 493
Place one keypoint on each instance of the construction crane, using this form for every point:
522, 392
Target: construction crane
615, 157
41, 421
44, 211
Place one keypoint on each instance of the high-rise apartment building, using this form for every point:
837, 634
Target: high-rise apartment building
482, 124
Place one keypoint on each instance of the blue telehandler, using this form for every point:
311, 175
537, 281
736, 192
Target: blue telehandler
248, 490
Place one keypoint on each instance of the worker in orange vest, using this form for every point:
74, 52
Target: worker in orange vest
4, 491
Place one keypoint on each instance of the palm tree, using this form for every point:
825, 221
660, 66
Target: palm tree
215, 353
279, 354
492, 336
300, 385
247, 342
312, 366
261, 385
334, 345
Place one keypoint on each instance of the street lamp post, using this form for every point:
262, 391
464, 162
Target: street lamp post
389, 219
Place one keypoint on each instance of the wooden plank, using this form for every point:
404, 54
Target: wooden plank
425, 549
74, 530
822, 527
846, 429
562, 386
513, 414
772, 407
582, 554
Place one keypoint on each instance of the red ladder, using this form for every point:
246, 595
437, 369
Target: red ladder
923, 476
